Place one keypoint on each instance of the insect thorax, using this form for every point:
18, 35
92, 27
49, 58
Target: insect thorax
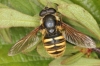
50, 23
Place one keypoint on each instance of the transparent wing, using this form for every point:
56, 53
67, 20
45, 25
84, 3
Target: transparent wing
25, 42
77, 38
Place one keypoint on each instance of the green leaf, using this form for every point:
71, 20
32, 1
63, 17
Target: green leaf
31, 63
66, 60
3, 6
4, 2
79, 62
42, 51
70, 49
20, 59
46, 3
5, 34
93, 6
81, 16
87, 62
13, 18
72, 59
25, 6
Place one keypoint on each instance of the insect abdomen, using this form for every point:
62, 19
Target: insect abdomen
55, 46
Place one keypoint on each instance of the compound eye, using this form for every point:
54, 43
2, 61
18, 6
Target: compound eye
47, 11
51, 11
42, 13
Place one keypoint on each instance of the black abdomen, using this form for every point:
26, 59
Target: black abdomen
54, 44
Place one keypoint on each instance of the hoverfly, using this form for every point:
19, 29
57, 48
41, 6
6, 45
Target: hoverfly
54, 35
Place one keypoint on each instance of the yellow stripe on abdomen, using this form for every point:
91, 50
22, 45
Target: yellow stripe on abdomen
55, 46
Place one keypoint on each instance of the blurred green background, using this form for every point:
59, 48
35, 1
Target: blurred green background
19, 17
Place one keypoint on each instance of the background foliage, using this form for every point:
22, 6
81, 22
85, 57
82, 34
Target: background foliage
19, 17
